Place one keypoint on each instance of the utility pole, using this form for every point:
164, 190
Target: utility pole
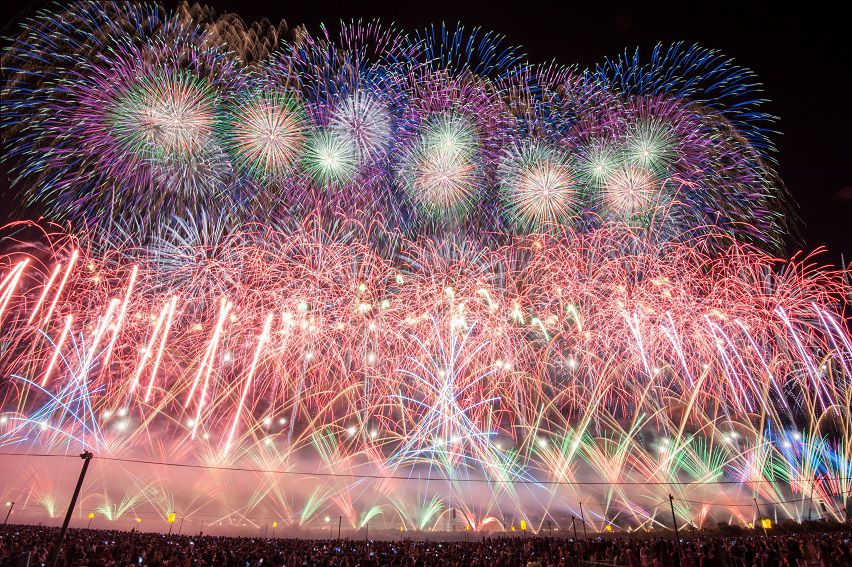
847, 505
759, 519
201, 529
339, 523
11, 506
583, 519
180, 527
574, 526
674, 523
54, 556
811, 504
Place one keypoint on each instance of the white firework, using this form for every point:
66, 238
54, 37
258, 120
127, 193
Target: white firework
330, 158
265, 132
167, 122
539, 187
596, 163
631, 191
366, 123
165, 117
651, 145
440, 172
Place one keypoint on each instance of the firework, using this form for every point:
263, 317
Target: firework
440, 172
165, 117
631, 191
540, 186
119, 114
265, 131
415, 268
330, 158
530, 362
362, 120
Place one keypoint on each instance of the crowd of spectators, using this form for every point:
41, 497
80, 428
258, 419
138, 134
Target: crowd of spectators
29, 546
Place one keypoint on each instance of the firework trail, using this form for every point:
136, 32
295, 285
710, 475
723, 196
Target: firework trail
428, 275
540, 361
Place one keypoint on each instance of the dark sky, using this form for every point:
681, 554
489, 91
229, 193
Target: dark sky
801, 53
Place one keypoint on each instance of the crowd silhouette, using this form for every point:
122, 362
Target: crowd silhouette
30, 546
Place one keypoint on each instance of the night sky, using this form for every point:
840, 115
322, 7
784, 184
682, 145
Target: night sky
801, 53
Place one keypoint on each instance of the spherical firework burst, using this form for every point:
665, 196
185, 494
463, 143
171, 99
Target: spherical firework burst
330, 158
539, 187
366, 122
631, 192
597, 163
440, 172
265, 130
123, 119
651, 147
166, 122
164, 118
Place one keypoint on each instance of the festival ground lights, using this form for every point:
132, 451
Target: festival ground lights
404, 281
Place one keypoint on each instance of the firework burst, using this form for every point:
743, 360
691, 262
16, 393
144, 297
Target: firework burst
440, 172
378, 256
265, 131
540, 187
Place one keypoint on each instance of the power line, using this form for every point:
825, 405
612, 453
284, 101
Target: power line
421, 479
751, 504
